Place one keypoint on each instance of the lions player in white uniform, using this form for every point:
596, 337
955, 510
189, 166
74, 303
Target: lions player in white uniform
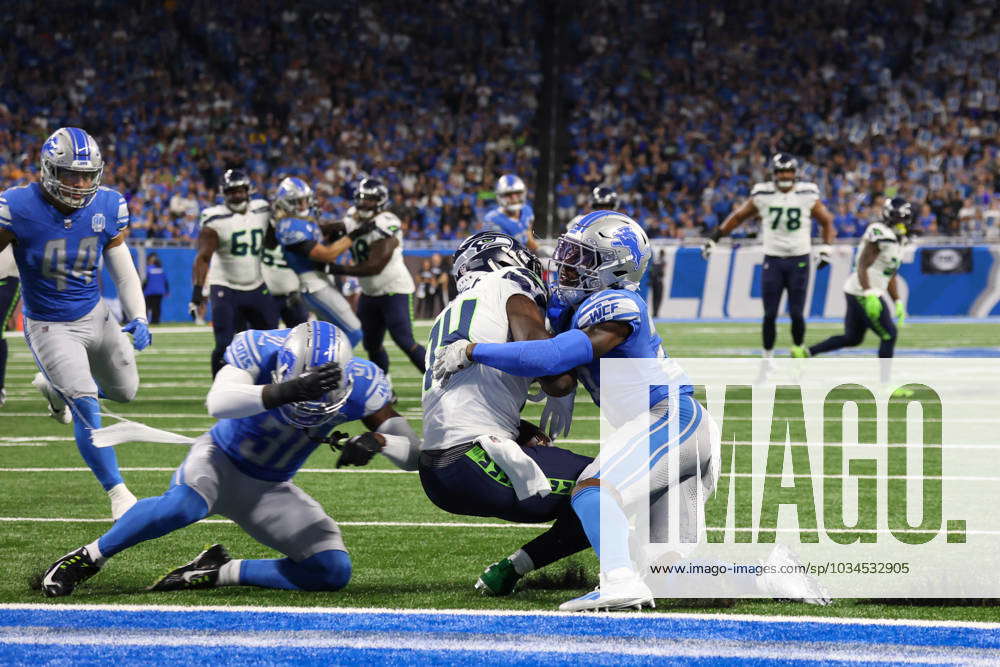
386, 284
229, 247
786, 208
478, 457
874, 276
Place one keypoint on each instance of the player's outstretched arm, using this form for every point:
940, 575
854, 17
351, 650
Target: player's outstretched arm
122, 269
732, 221
389, 434
378, 257
208, 243
821, 213
527, 323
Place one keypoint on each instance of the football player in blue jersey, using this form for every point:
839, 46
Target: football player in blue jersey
60, 228
281, 394
599, 315
513, 215
306, 251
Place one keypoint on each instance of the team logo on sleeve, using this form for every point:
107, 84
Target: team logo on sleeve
98, 222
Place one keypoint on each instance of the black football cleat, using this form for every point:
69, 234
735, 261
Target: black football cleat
68, 572
202, 572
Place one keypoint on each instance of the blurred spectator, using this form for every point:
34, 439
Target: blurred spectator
155, 287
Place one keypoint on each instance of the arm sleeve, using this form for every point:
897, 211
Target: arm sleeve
537, 358
234, 394
402, 444
122, 270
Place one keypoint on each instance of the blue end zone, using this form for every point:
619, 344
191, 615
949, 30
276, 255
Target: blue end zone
38, 633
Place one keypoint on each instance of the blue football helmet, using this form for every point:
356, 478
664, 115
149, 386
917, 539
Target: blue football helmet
236, 190
490, 251
309, 345
370, 198
72, 166
510, 193
294, 197
602, 250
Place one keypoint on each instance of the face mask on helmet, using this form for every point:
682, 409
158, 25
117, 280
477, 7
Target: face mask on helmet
71, 166
512, 202
576, 272
73, 187
237, 198
784, 179
309, 345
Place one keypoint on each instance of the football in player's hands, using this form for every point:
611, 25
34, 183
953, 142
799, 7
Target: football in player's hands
357, 450
529, 435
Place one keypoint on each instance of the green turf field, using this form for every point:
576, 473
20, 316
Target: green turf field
406, 552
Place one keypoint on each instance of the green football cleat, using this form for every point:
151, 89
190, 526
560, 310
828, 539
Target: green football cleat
799, 352
202, 572
499, 579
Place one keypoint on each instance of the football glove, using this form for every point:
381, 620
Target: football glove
357, 450
823, 254
139, 328
364, 228
197, 298
309, 386
713, 238
557, 415
450, 360
900, 312
529, 435
558, 312
873, 304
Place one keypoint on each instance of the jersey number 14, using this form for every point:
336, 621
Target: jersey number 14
445, 332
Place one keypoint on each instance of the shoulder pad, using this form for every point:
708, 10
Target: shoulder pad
526, 283
372, 381
252, 349
213, 213
608, 306
762, 189
260, 206
291, 231
122, 216
879, 233
387, 223
806, 188
6, 219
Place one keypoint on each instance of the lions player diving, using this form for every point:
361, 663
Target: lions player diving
60, 228
595, 307
280, 395
478, 457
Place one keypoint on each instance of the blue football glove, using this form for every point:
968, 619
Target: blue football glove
139, 328
558, 312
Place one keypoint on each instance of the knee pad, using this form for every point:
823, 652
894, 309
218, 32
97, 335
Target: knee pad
331, 569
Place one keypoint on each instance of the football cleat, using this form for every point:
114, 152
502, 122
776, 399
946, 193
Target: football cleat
58, 409
793, 586
799, 352
619, 589
202, 572
3, 397
68, 572
499, 579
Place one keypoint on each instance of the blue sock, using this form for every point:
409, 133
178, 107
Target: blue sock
154, 517
596, 508
101, 460
325, 571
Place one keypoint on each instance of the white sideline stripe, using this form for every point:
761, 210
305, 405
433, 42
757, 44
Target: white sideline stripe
690, 616
369, 524
25, 444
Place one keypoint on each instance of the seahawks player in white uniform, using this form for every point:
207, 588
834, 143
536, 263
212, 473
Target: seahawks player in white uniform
786, 208
60, 229
228, 261
472, 463
602, 198
386, 284
282, 281
280, 395
873, 277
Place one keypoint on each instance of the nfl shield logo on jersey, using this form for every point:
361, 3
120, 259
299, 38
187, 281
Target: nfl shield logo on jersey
97, 222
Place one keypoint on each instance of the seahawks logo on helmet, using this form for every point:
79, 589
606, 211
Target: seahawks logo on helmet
236, 190
491, 251
370, 198
783, 162
897, 215
604, 197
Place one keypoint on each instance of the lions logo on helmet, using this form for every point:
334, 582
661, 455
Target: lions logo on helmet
510, 193
897, 215
236, 190
371, 198
72, 167
307, 346
783, 170
490, 251
294, 197
603, 250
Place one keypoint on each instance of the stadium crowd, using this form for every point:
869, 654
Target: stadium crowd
677, 110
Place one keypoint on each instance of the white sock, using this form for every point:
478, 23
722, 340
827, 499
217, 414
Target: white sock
767, 354
95, 553
229, 573
522, 562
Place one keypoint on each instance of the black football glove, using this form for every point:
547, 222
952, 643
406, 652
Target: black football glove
197, 298
529, 435
309, 386
364, 228
356, 451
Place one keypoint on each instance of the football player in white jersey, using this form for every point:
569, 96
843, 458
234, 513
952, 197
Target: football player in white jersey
229, 247
602, 198
478, 458
10, 292
282, 282
786, 208
874, 276
386, 284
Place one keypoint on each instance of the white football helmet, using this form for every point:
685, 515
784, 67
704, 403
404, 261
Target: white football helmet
71, 166
309, 345
294, 197
602, 250
511, 194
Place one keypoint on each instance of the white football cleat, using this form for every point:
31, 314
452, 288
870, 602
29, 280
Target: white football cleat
58, 409
121, 500
798, 586
621, 588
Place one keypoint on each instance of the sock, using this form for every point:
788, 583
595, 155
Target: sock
598, 509
325, 571
154, 517
229, 573
564, 538
767, 354
522, 562
101, 460
3, 355
94, 549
